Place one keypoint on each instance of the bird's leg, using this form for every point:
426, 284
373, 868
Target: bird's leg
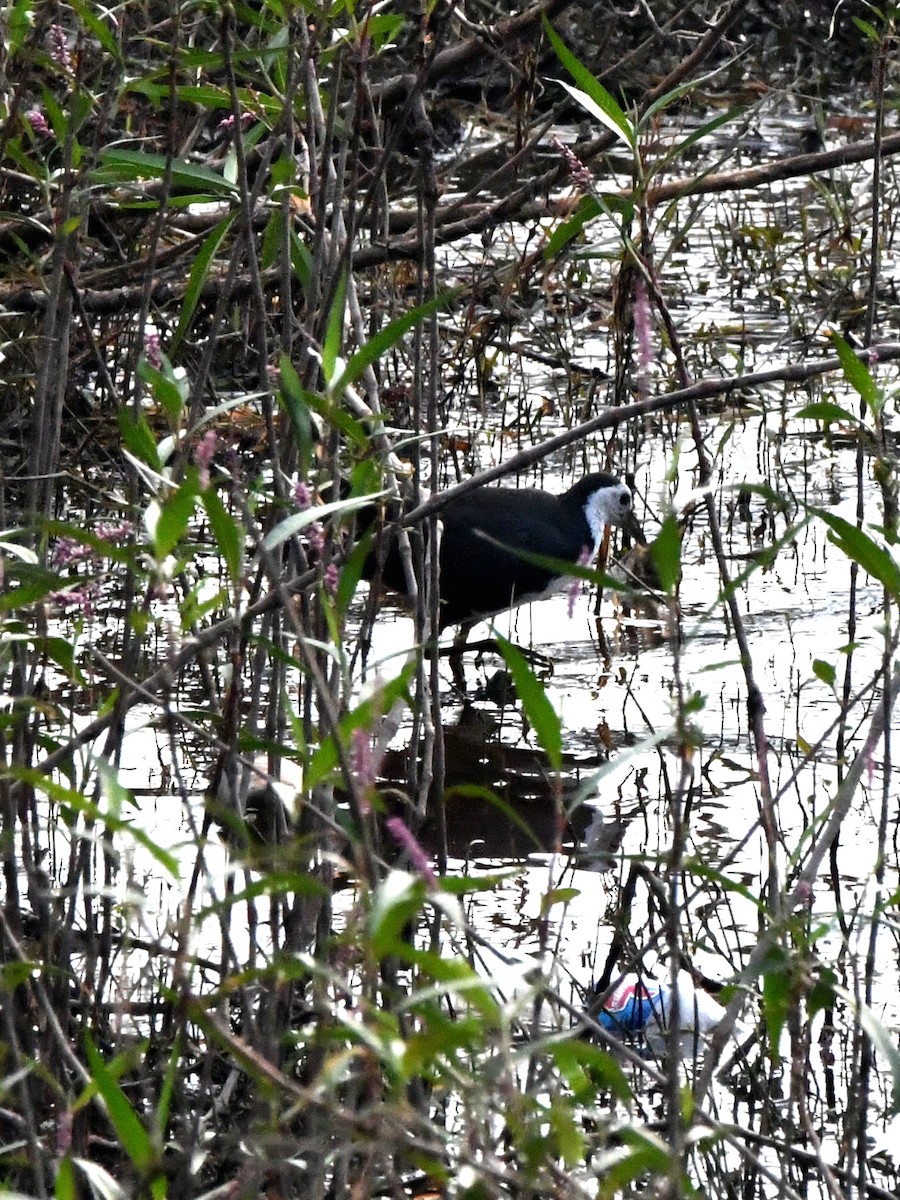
457, 650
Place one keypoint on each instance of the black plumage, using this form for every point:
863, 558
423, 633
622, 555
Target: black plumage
485, 531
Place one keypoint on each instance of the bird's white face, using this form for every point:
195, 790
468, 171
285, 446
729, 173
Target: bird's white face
608, 506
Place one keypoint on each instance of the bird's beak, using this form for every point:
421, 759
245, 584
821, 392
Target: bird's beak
632, 526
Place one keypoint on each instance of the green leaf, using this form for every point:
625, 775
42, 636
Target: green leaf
364, 716
18, 24
64, 1188
558, 896
117, 796
297, 521
227, 532
645, 1154
174, 515
385, 339
168, 391
540, 712
292, 395
602, 114
272, 241
78, 802
663, 102
299, 403
136, 165
61, 651
173, 1073
138, 438
569, 1138
439, 1037
665, 551
697, 135
589, 207
777, 994
824, 671
132, 1135
16, 972
198, 277
858, 376
828, 411
867, 29
34, 584
99, 29
861, 548
351, 572
822, 994
272, 883
589, 1071
331, 348
591, 94
395, 902
55, 115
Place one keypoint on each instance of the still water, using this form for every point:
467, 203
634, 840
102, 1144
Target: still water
751, 283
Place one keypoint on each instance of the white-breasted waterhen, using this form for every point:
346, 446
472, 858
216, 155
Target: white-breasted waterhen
486, 532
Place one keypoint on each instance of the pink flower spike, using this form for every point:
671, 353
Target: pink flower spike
113, 531
64, 1132
317, 537
67, 552
332, 579
59, 47
203, 455
417, 857
301, 495
82, 598
361, 758
643, 333
579, 172
227, 124
38, 122
152, 351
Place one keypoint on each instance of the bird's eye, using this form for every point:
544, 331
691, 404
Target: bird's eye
625, 499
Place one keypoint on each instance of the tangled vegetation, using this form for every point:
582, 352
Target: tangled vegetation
271, 266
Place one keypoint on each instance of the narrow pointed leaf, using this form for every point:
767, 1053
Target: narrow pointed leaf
590, 93
300, 520
828, 411
540, 712
334, 333
138, 438
858, 375
131, 1133
174, 516
198, 277
385, 339
610, 120
135, 165
875, 559
226, 531
666, 554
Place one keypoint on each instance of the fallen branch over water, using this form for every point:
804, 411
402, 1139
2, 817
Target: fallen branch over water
704, 389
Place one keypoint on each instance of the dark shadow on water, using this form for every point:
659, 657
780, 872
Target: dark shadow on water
500, 802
